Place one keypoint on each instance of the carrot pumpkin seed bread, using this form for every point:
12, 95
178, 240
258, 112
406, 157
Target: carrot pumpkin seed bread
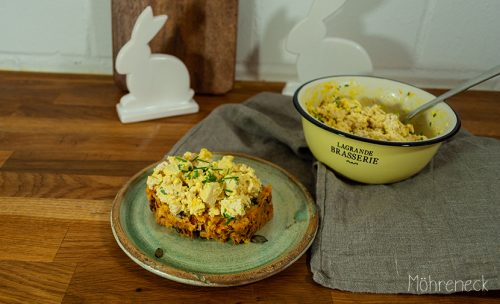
213, 199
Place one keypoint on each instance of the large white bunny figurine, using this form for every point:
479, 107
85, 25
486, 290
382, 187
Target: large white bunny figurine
319, 56
158, 84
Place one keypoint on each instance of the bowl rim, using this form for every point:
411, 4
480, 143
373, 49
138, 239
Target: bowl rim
432, 141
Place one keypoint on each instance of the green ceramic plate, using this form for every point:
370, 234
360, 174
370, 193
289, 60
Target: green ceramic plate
213, 263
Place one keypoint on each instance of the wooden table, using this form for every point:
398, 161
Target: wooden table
63, 157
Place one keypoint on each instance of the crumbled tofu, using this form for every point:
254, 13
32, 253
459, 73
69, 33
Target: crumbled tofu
214, 211
346, 114
196, 206
210, 192
195, 183
234, 206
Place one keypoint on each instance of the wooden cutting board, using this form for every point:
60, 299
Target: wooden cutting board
202, 33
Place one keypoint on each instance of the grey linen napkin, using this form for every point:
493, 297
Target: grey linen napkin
437, 232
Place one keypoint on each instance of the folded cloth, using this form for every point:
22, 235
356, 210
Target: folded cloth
437, 232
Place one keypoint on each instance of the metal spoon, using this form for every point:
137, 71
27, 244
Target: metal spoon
464, 86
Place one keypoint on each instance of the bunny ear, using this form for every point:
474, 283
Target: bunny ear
155, 26
321, 9
147, 26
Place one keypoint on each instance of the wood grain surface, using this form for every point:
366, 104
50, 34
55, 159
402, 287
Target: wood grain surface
202, 33
63, 157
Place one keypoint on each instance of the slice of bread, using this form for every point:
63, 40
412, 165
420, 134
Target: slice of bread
239, 229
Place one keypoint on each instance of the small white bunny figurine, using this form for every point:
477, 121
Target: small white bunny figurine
159, 84
319, 56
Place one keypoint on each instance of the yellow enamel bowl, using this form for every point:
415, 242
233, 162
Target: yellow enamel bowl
368, 160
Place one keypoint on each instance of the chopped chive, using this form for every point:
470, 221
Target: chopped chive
163, 191
228, 218
202, 160
202, 168
180, 159
210, 178
346, 85
434, 115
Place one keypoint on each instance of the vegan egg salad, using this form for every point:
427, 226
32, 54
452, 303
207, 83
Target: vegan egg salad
346, 114
211, 198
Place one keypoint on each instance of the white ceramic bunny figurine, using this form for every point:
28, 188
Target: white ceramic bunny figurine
319, 56
159, 84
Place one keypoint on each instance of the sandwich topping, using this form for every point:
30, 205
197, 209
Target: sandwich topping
347, 114
196, 183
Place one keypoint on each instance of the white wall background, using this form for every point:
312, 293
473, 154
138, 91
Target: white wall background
431, 43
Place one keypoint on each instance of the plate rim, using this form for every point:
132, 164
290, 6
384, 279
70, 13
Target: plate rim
208, 279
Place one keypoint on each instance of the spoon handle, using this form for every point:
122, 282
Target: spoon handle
464, 86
